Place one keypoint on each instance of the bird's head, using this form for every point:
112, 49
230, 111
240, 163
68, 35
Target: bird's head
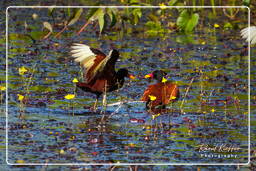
123, 72
114, 53
157, 75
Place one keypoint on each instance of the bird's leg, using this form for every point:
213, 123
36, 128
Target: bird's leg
104, 100
95, 105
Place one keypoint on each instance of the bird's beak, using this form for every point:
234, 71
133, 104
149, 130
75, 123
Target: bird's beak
149, 75
131, 76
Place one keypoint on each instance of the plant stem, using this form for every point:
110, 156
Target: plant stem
84, 26
190, 84
58, 34
213, 9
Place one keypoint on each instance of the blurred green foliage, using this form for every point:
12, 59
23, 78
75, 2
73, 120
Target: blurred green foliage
121, 19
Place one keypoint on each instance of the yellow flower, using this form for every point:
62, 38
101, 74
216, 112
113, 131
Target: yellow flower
72, 137
22, 70
164, 80
156, 115
152, 98
75, 80
203, 43
213, 110
70, 96
56, 44
216, 25
2, 88
20, 97
162, 6
62, 151
172, 97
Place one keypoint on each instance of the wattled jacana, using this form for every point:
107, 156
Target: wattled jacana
161, 93
99, 71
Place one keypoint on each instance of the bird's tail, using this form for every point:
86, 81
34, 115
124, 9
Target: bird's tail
83, 86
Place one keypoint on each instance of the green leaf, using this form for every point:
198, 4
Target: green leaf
187, 21
246, 2
69, 12
153, 17
136, 15
112, 17
94, 15
182, 19
48, 26
172, 2
50, 10
91, 13
101, 20
192, 22
228, 25
76, 17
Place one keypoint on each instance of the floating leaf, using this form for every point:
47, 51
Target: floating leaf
76, 17
48, 26
20, 161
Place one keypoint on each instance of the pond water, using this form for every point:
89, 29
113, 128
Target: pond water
47, 128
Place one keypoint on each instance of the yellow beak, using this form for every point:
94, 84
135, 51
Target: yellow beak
148, 76
132, 76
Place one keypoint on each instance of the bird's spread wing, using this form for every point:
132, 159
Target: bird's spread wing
91, 59
245, 34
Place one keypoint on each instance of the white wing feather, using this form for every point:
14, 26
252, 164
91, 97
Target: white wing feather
245, 34
83, 54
